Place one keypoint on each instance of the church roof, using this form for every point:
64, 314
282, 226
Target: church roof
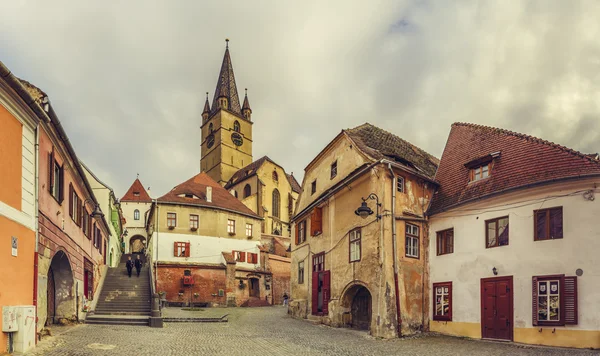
246, 102
193, 192
251, 170
519, 161
226, 87
294, 183
206, 105
137, 193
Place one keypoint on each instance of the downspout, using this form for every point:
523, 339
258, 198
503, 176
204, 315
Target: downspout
157, 246
36, 224
394, 251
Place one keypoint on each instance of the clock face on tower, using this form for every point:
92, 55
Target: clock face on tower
210, 141
237, 139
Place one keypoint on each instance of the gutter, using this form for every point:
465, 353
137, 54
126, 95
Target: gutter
211, 207
394, 252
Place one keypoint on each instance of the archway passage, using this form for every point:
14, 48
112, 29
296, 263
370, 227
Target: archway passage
357, 299
61, 300
137, 244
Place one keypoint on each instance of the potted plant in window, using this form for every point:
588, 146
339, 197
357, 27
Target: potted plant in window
194, 228
171, 227
231, 233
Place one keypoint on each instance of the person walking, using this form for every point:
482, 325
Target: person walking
285, 298
129, 266
138, 265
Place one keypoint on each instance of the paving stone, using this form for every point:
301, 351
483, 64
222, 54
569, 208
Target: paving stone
266, 331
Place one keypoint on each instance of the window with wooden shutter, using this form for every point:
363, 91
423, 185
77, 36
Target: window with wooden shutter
71, 200
187, 249
445, 242
548, 224
554, 300
300, 232
316, 222
51, 171
181, 249
61, 183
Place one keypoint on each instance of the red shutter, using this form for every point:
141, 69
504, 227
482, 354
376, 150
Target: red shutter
326, 289
71, 200
187, 249
175, 249
450, 301
316, 221
255, 259
315, 292
242, 256
79, 212
319, 227
570, 300
297, 229
534, 308
51, 171
90, 232
61, 185
249, 259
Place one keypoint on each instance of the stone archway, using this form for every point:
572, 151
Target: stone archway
357, 298
61, 300
137, 243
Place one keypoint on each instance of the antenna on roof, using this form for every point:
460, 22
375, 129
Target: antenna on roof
138, 175
227, 43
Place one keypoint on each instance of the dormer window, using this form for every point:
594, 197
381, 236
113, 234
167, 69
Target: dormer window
136, 194
480, 172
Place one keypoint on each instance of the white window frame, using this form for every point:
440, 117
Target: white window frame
231, 226
355, 245
412, 240
400, 184
547, 297
197, 221
248, 230
136, 214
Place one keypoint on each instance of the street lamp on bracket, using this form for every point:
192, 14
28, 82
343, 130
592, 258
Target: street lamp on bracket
97, 213
364, 211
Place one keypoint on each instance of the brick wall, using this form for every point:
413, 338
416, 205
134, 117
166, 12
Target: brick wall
208, 281
280, 267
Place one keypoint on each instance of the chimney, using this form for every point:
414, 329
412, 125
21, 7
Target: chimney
209, 194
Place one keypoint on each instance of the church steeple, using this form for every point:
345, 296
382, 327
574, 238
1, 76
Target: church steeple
206, 111
246, 107
226, 94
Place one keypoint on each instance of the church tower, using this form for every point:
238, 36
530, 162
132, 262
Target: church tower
226, 131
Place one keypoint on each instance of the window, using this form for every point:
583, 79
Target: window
548, 224
479, 172
355, 245
171, 220
136, 214
252, 258
275, 176
210, 127
319, 262
239, 256
554, 300
236, 126
231, 226
136, 194
496, 232
400, 184
316, 222
445, 242
55, 178
74, 205
412, 241
301, 272
276, 202
97, 236
193, 222
442, 301
181, 249
86, 223
249, 230
333, 170
247, 190
313, 187
301, 232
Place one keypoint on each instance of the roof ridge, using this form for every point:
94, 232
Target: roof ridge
529, 138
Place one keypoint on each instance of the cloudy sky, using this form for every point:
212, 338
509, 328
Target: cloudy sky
128, 78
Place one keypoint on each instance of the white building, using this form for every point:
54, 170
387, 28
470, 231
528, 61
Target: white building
135, 205
514, 240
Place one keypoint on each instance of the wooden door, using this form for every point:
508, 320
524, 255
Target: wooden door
497, 308
50, 294
361, 310
254, 288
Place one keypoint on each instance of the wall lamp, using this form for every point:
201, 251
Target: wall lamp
364, 211
495, 271
97, 213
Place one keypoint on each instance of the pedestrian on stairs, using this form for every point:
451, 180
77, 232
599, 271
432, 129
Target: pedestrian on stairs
129, 266
138, 265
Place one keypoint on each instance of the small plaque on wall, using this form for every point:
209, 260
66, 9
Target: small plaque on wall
15, 244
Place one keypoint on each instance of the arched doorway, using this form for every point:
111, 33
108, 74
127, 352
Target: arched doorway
357, 298
137, 243
61, 300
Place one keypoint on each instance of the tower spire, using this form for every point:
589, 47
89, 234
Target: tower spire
226, 94
246, 107
206, 111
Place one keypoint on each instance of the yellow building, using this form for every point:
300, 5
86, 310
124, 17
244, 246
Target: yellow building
368, 270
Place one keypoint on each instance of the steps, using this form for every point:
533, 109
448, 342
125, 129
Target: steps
255, 302
123, 300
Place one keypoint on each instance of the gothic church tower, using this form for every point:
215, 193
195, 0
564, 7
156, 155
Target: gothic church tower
226, 131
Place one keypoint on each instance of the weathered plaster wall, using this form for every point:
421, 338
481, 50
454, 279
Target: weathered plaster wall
280, 268
522, 258
208, 281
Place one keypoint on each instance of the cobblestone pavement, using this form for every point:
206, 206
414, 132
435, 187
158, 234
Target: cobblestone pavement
266, 331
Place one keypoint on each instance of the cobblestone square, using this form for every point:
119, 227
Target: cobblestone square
266, 331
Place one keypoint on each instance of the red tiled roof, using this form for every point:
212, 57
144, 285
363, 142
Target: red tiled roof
137, 193
524, 160
294, 183
196, 186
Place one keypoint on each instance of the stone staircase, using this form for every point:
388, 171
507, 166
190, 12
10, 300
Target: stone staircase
255, 302
123, 300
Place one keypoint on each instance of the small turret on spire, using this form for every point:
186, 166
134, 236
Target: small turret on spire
246, 111
206, 110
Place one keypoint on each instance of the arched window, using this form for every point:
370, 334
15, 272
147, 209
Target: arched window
236, 126
247, 191
276, 204
275, 176
210, 127
136, 214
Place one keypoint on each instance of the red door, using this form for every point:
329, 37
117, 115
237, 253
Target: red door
497, 308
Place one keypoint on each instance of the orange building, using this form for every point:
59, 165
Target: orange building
18, 127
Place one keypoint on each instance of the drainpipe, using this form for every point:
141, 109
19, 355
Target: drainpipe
36, 223
157, 246
394, 251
